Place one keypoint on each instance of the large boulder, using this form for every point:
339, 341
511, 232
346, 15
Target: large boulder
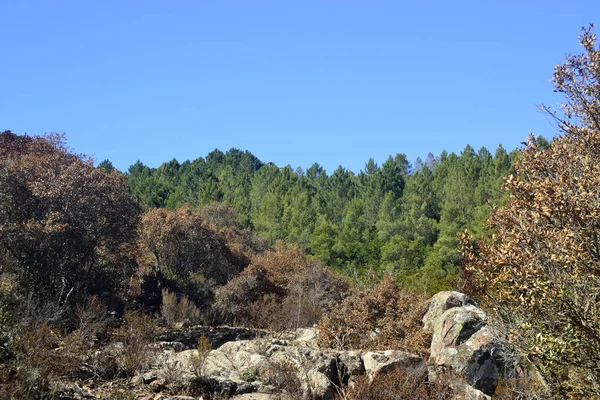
376, 362
442, 302
463, 341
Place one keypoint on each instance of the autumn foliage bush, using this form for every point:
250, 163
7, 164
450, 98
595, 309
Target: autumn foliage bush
67, 228
281, 289
540, 269
385, 317
182, 252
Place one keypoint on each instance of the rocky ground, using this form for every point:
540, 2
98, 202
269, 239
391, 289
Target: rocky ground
252, 364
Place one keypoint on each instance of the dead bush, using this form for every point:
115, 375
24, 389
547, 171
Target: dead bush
284, 376
178, 312
234, 300
281, 289
281, 315
136, 333
383, 318
397, 384
93, 323
521, 388
37, 365
220, 214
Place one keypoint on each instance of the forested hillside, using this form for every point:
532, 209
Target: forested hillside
395, 217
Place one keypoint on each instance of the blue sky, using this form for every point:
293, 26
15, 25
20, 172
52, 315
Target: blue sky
294, 82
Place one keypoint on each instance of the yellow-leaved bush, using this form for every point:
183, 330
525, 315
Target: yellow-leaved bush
540, 269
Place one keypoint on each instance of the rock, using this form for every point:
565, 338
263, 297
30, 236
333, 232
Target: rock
482, 372
217, 336
319, 384
442, 302
157, 385
307, 337
251, 365
150, 376
350, 363
462, 341
206, 386
382, 361
452, 343
175, 346
468, 392
236, 361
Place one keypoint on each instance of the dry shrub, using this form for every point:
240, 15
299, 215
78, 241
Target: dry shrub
80, 346
93, 319
289, 314
234, 300
383, 318
397, 384
37, 365
178, 312
197, 361
243, 243
220, 214
521, 388
281, 289
121, 394
41, 356
177, 243
284, 376
136, 333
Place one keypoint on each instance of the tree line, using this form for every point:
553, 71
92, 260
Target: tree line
395, 217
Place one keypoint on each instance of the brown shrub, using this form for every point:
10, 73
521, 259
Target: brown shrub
284, 376
67, 227
179, 243
136, 333
197, 361
220, 214
397, 384
539, 265
182, 311
37, 364
281, 289
235, 299
522, 388
382, 318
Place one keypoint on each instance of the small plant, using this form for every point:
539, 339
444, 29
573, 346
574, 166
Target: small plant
36, 366
176, 312
136, 333
93, 319
251, 374
173, 376
197, 360
283, 374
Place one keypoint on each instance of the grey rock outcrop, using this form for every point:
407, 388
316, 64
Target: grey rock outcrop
376, 362
463, 341
257, 368
441, 302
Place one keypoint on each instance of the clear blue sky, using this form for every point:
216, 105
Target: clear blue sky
293, 81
